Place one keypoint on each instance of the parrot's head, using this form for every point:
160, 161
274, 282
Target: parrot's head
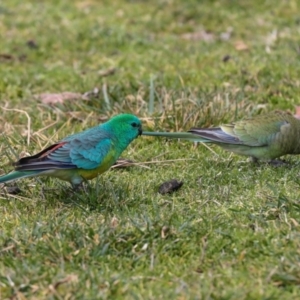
126, 126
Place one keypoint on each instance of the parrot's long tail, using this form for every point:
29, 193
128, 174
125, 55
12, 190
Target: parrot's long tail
177, 135
215, 135
14, 175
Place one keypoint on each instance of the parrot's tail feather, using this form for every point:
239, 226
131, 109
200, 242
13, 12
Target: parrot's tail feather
43, 165
215, 135
177, 135
16, 175
203, 135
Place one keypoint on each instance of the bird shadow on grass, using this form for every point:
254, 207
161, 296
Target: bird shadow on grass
256, 164
91, 196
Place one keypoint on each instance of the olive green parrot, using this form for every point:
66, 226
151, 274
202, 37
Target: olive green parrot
263, 137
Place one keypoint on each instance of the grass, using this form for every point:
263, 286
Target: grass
232, 230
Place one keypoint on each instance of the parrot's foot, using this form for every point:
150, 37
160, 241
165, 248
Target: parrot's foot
79, 188
278, 163
272, 162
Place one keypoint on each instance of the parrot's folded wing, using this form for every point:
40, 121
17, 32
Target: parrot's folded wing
54, 157
258, 131
78, 151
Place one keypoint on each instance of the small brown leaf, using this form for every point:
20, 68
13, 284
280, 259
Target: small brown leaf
60, 98
48, 98
164, 231
6, 56
110, 71
297, 115
114, 222
77, 115
69, 278
123, 163
241, 46
201, 35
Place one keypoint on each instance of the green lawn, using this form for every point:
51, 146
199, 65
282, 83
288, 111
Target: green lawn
231, 232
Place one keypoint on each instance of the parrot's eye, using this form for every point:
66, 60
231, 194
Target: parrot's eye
134, 124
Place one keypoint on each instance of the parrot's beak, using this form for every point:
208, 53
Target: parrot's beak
140, 130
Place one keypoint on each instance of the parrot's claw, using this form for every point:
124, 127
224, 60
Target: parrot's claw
278, 163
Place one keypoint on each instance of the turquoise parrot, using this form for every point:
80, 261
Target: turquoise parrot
81, 156
263, 137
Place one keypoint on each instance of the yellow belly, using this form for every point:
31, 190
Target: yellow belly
104, 166
90, 174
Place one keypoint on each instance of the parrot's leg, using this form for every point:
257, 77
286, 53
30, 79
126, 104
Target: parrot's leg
79, 187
